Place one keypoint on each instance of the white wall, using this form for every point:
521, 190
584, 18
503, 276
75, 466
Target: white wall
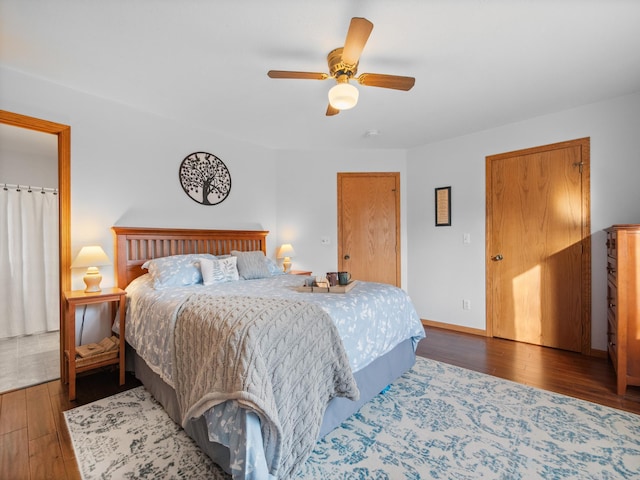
125, 172
28, 157
443, 271
124, 168
307, 201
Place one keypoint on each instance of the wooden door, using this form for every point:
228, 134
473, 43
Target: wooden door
538, 250
369, 226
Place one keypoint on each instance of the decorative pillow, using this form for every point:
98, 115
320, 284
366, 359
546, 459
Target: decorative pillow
175, 270
273, 267
251, 264
211, 271
229, 267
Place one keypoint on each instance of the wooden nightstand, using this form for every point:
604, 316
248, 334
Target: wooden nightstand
72, 300
300, 272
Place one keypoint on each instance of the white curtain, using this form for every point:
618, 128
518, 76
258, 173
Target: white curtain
29, 261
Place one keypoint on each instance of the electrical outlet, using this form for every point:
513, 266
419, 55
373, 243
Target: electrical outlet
325, 241
466, 304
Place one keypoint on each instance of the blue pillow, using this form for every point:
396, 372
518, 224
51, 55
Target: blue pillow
176, 270
273, 267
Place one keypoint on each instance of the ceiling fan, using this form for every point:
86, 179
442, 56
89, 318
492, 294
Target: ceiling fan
343, 66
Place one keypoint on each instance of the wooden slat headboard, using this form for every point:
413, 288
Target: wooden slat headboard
134, 246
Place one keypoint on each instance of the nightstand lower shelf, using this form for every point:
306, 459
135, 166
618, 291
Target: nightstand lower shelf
94, 361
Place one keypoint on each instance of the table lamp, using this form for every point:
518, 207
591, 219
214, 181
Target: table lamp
286, 252
91, 257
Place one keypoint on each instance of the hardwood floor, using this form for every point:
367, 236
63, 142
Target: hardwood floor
34, 442
35, 445
569, 373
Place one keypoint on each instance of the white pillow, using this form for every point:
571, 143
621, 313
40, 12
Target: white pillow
230, 268
218, 271
211, 271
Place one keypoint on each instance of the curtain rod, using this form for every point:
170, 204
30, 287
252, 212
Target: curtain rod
28, 188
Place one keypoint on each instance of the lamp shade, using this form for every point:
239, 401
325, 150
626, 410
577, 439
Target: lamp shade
343, 96
91, 256
286, 250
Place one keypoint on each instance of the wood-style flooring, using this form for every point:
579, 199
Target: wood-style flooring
34, 441
560, 371
35, 444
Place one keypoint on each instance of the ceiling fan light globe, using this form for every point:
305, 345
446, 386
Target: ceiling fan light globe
343, 96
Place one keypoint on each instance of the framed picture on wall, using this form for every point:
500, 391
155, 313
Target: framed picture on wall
443, 207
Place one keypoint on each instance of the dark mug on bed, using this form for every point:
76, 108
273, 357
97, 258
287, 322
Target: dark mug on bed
332, 278
344, 278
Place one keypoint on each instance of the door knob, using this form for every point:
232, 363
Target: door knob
347, 257
497, 258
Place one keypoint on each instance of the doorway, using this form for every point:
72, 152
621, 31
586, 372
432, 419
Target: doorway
369, 226
538, 246
63, 132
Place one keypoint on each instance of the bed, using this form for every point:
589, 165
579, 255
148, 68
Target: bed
254, 370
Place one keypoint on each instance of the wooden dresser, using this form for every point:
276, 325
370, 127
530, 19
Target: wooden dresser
623, 299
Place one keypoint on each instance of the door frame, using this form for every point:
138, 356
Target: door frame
396, 176
63, 132
584, 144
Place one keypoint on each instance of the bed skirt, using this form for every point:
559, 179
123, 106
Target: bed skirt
371, 380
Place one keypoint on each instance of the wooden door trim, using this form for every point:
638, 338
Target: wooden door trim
585, 146
396, 176
63, 133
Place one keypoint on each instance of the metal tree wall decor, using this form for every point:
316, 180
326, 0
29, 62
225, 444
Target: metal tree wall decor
205, 178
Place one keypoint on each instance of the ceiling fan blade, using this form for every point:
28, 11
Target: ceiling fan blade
357, 36
297, 75
386, 81
332, 111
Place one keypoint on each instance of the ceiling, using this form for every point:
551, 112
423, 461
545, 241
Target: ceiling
478, 63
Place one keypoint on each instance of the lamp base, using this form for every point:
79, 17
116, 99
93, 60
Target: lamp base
286, 265
92, 281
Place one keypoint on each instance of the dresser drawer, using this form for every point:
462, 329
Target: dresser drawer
612, 299
612, 241
612, 269
612, 340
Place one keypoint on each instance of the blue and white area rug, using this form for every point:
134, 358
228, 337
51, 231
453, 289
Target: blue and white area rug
436, 421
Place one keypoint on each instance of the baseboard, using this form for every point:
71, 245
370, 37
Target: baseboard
483, 333
455, 328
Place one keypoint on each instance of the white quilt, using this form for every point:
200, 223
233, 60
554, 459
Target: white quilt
371, 319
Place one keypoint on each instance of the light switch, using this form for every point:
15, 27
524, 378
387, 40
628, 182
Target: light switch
466, 238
